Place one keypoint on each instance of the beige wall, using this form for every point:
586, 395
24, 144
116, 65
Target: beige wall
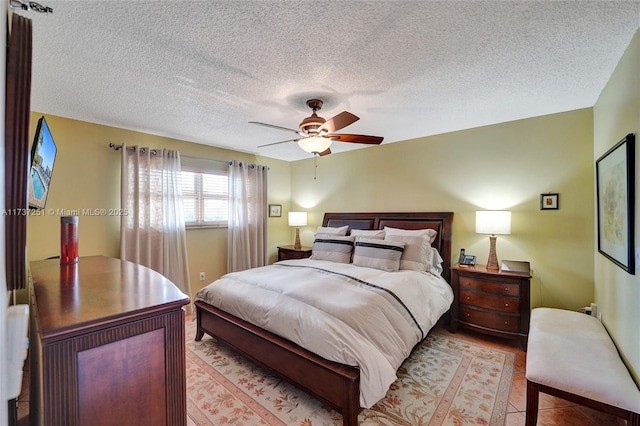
617, 113
504, 166
87, 176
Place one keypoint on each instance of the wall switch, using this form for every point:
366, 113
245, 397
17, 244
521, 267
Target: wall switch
202, 276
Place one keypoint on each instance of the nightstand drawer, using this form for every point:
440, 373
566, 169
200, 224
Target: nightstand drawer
490, 301
294, 255
493, 320
505, 289
290, 252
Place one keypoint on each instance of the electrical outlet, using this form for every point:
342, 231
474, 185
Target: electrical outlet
202, 276
637, 257
600, 316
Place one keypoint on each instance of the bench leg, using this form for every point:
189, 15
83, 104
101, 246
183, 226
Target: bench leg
634, 419
533, 394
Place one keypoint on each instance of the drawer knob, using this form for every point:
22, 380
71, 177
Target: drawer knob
506, 323
468, 315
506, 305
506, 289
468, 297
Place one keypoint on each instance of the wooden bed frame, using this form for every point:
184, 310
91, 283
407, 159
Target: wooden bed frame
335, 384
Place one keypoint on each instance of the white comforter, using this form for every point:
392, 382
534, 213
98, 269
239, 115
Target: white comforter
352, 315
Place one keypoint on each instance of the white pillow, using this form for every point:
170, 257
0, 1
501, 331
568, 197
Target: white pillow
335, 231
332, 247
378, 254
430, 233
436, 262
377, 234
417, 251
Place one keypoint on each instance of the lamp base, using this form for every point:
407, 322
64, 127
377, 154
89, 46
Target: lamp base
297, 244
492, 263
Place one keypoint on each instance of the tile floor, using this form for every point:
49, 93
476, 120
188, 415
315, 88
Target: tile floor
553, 411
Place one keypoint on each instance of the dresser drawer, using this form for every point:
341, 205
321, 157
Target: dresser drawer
490, 301
493, 320
507, 289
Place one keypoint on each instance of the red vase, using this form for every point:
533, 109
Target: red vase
68, 240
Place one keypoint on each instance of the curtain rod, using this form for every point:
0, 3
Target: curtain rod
154, 152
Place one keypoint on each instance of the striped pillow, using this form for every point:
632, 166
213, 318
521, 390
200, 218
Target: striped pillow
418, 255
334, 248
378, 254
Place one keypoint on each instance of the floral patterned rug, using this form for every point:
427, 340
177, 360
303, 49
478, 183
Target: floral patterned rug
446, 381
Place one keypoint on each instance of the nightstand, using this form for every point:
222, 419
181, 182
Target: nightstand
491, 302
289, 252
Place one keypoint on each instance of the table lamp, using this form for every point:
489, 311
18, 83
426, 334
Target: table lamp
493, 222
297, 219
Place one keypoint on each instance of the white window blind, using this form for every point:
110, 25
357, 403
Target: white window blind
206, 197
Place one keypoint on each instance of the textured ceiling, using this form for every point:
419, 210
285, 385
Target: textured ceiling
201, 70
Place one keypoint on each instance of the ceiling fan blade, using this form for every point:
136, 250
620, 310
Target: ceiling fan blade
275, 127
276, 143
325, 152
338, 122
371, 140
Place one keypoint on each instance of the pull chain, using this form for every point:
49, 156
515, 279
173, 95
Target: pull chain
315, 166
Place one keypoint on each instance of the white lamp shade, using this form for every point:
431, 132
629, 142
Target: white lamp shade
297, 218
493, 222
314, 144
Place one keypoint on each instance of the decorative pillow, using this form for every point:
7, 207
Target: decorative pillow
378, 254
417, 252
331, 247
377, 234
334, 231
430, 233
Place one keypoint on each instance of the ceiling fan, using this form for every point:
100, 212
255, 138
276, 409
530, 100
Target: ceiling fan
317, 134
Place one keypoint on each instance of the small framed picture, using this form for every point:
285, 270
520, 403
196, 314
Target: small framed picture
549, 201
275, 210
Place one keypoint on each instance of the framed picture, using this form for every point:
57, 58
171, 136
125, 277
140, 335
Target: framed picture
275, 210
549, 201
615, 188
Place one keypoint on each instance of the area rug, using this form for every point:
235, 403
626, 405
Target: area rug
446, 381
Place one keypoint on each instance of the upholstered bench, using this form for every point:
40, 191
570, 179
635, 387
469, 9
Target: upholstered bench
570, 355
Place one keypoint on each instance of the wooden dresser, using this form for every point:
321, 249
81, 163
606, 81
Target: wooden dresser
492, 302
106, 345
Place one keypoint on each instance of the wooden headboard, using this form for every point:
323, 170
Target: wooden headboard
438, 221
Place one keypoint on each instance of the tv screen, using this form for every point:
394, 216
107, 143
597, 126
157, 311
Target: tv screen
43, 155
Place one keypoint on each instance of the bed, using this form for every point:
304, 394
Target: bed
336, 384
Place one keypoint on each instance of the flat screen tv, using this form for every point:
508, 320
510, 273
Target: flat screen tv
43, 155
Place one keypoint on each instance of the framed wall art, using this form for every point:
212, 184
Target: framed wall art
615, 186
275, 210
549, 201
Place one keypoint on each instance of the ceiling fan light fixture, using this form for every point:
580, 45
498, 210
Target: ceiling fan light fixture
314, 144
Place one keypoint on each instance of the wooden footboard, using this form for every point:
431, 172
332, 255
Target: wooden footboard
335, 384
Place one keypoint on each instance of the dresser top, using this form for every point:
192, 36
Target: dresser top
95, 291
482, 269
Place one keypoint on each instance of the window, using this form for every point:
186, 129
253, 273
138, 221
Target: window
206, 198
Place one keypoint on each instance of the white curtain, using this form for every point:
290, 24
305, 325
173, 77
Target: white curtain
247, 242
153, 233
